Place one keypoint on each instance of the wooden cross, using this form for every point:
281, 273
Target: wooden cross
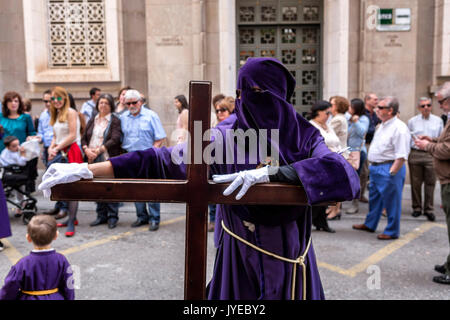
197, 192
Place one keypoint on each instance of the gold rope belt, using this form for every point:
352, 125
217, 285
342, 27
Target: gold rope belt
40, 293
300, 260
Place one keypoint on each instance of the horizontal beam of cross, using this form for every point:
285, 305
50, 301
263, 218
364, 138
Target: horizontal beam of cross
136, 190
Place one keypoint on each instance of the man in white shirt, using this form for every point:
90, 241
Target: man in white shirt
420, 162
387, 156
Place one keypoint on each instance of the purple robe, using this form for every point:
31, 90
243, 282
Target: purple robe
5, 227
241, 272
39, 271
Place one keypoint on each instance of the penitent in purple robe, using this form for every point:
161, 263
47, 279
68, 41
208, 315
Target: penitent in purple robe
44, 270
241, 272
5, 227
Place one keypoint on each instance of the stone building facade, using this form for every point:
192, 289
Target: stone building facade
333, 47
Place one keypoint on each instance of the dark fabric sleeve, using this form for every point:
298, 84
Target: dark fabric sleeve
286, 174
115, 134
327, 176
152, 163
11, 288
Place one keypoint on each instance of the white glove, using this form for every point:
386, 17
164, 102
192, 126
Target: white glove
247, 178
59, 173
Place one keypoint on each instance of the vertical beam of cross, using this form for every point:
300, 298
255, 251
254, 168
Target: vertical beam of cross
197, 205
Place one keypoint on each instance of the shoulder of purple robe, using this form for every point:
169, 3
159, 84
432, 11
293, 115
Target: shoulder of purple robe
66, 286
152, 163
11, 288
327, 176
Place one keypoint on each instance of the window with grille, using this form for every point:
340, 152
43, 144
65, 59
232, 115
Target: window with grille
77, 33
289, 30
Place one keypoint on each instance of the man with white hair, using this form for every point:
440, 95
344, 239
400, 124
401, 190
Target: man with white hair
439, 148
420, 162
142, 129
387, 155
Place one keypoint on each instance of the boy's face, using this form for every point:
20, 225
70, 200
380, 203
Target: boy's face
14, 146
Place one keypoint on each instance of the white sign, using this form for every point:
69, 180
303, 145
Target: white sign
394, 19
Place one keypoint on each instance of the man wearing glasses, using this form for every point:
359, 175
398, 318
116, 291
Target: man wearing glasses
45, 130
387, 155
142, 129
439, 148
420, 162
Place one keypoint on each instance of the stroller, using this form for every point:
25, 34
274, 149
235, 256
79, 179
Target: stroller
16, 178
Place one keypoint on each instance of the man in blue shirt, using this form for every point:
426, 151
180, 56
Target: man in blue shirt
142, 129
45, 130
88, 109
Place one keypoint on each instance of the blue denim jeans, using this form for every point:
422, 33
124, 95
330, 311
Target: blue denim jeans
153, 213
212, 212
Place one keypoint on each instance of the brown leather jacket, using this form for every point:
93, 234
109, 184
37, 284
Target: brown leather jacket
112, 136
440, 150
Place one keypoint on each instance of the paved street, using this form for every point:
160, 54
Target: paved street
128, 263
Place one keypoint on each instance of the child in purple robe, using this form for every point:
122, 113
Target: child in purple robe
44, 274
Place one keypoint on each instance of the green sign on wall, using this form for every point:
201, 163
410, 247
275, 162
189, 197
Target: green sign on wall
398, 19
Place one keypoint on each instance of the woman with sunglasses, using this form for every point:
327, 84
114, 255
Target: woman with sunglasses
320, 112
65, 146
223, 110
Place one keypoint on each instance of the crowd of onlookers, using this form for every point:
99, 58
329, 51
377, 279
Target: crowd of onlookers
104, 127
378, 145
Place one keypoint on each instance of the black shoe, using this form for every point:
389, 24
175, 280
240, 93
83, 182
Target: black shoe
1, 246
112, 224
51, 212
336, 217
416, 214
445, 279
430, 216
97, 222
326, 229
440, 268
153, 226
138, 223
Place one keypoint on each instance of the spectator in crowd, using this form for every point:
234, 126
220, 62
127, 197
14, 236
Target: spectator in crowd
27, 107
19, 124
182, 107
320, 112
370, 101
65, 146
420, 162
439, 148
358, 124
100, 141
215, 101
88, 108
142, 129
339, 106
45, 130
224, 108
388, 152
214, 121
120, 106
